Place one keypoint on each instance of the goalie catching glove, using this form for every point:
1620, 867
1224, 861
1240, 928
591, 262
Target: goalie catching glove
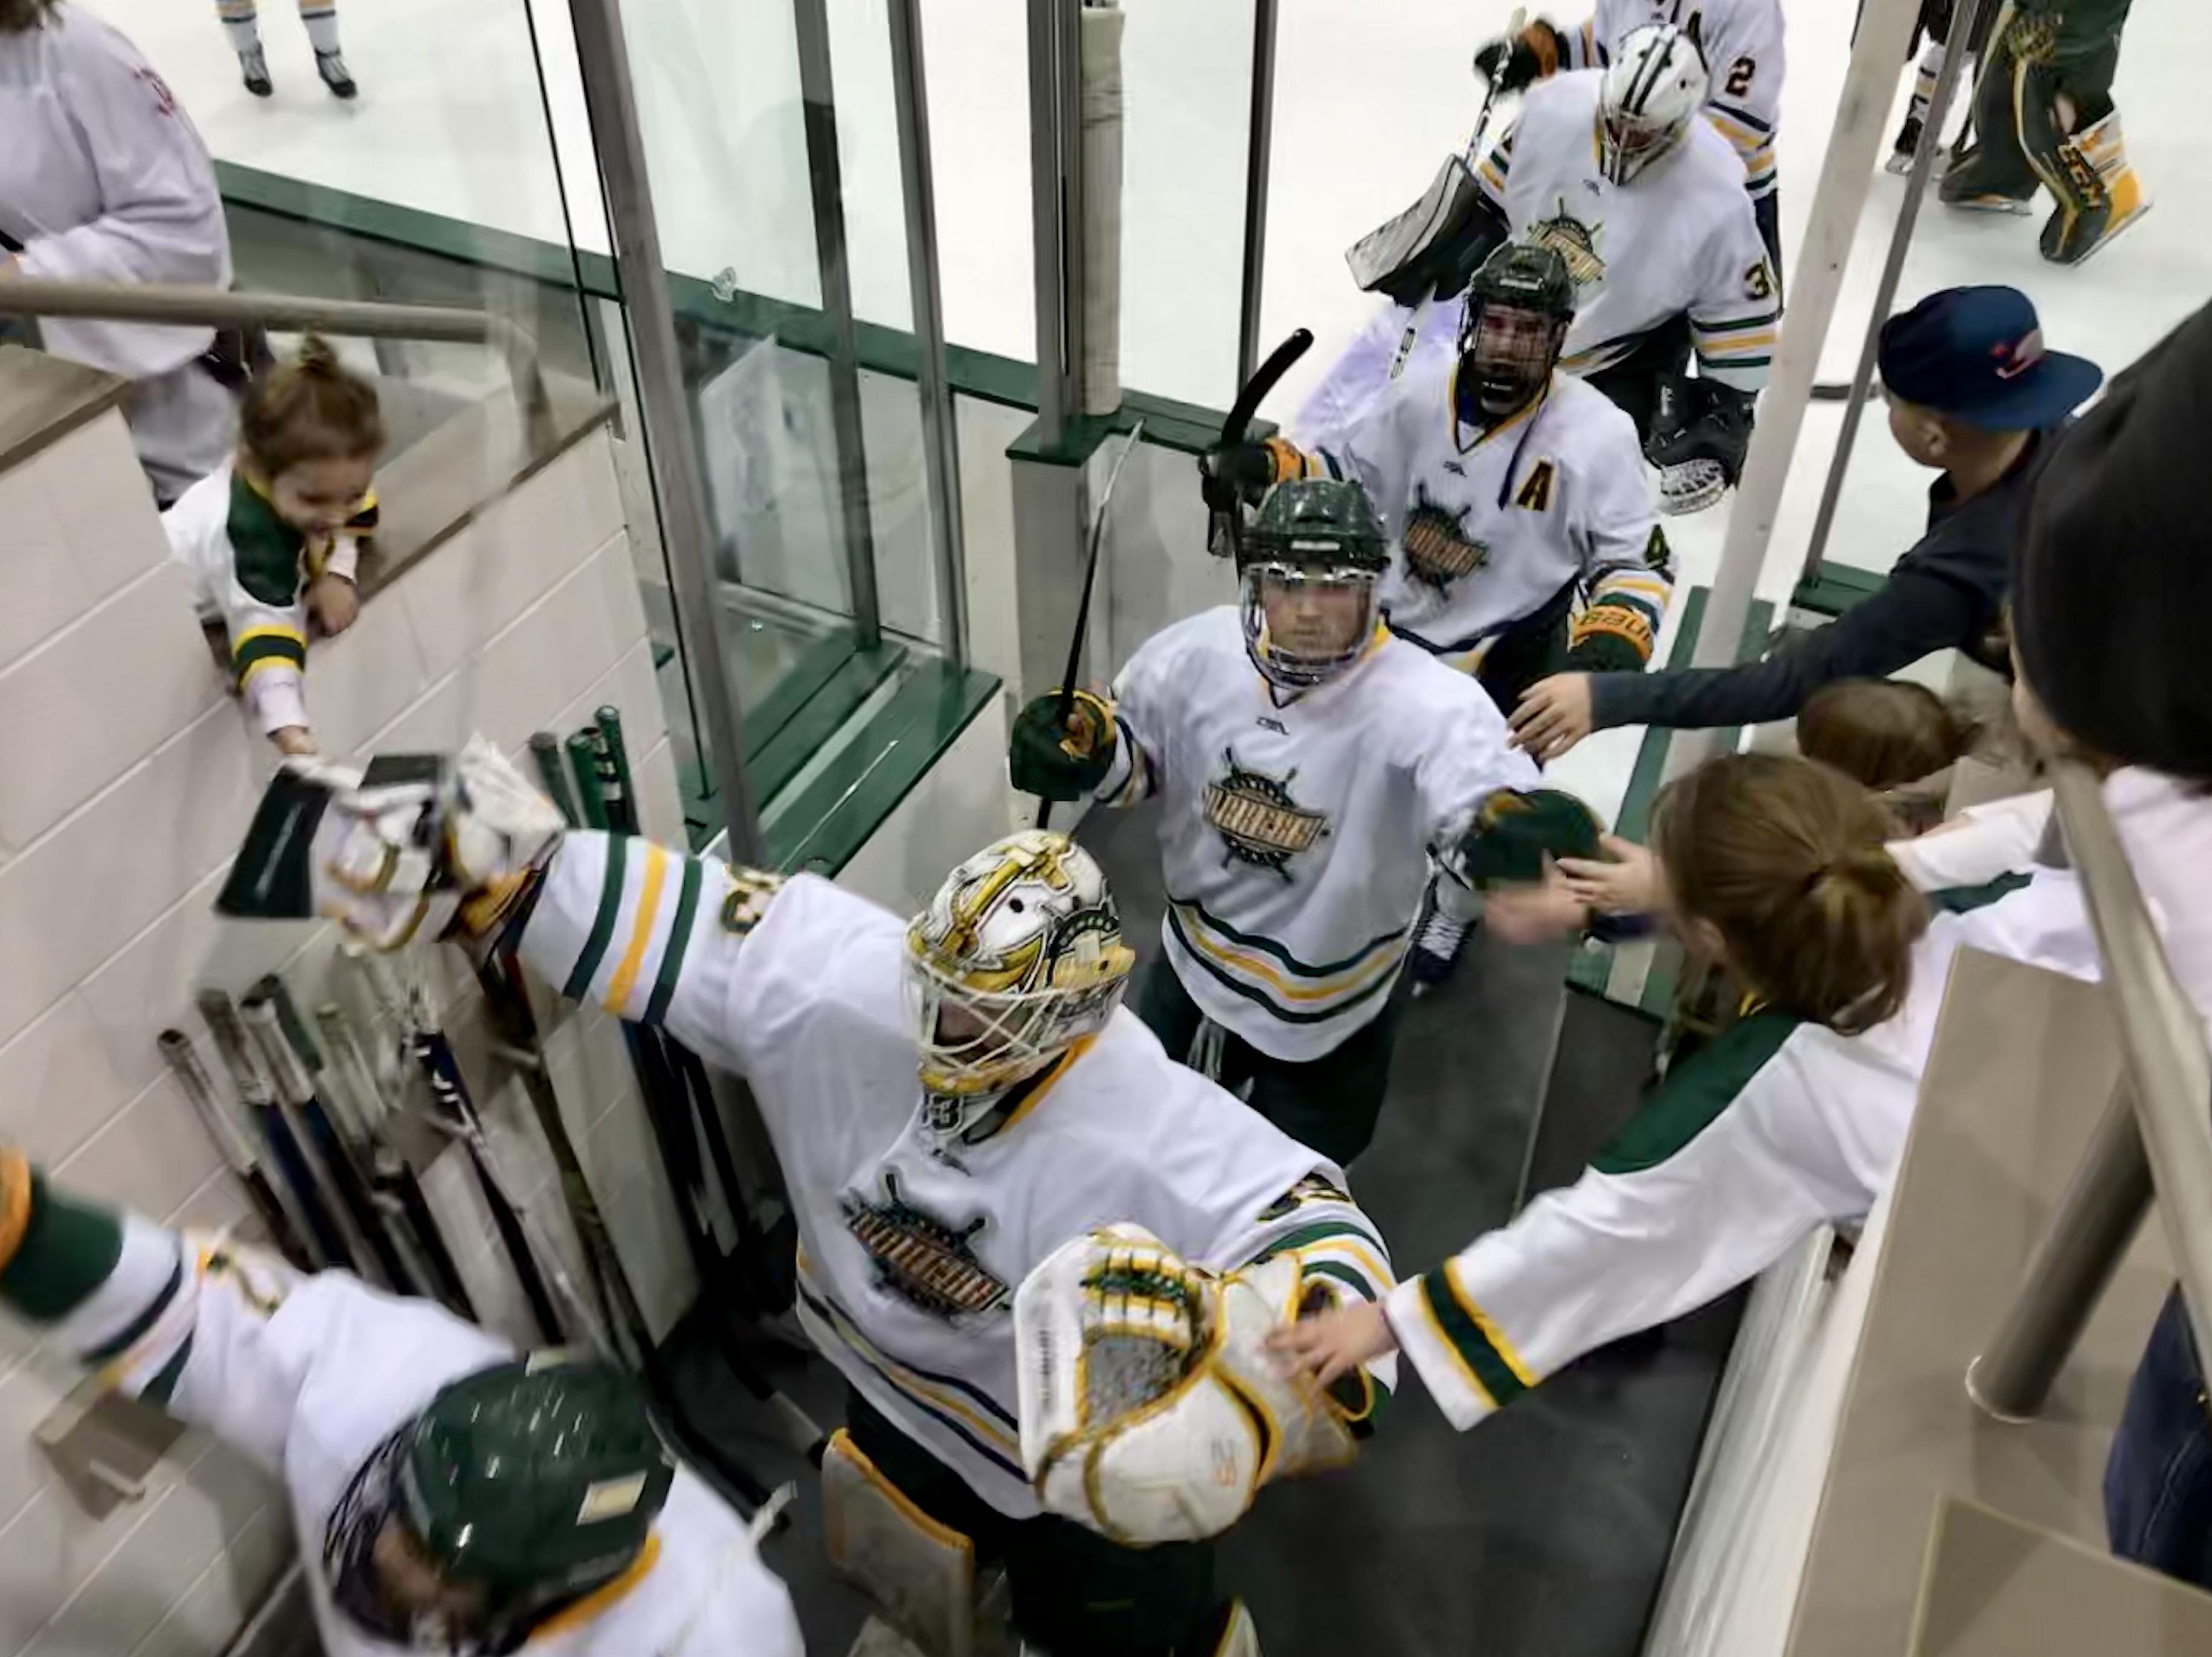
1150, 1409
1698, 440
416, 845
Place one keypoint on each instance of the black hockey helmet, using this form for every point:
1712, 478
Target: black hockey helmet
1519, 306
1307, 569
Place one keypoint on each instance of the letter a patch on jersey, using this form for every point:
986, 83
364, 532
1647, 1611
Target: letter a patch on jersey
1536, 492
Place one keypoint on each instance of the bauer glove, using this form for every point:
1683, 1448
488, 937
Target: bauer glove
1151, 1410
1513, 65
1057, 761
416, 845
1244, 472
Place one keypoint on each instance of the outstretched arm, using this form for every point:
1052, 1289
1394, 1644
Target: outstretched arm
222, 1336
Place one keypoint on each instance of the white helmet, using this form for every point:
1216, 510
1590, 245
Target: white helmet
1018, 957
1653, 91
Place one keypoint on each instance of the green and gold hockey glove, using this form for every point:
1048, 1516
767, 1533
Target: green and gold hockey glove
1612, 635
1057, 761
1517, 829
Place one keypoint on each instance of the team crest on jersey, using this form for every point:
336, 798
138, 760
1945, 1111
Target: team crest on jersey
1439, 550
929, 1264
1573, 241
1256, 817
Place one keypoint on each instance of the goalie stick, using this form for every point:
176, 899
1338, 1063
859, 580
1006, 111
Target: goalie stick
231, 1143
1083, 604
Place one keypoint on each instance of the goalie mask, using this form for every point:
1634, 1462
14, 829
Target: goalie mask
1518, 309
1018, 957
1307, 571
517, 1490
1653, 91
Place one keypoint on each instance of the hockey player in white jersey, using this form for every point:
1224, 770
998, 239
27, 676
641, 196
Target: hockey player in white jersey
1614, 169
1301, 804
446, 1496
976, 1138
1516, 504
1742, 44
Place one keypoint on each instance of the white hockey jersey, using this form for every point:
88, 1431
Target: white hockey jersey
308, 1377
910, 1246
1680, 240
1295, 832
104, 179
1776, 1128
249, 571
1742, 43
1487, 526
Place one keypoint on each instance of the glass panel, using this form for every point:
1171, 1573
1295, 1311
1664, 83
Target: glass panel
979, 119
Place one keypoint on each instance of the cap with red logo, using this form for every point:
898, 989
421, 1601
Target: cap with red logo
1978, 353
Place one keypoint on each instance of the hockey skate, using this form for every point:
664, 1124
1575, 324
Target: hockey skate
1970, 186
1438, 942
332, 66
2104, 198
1908, 138
254, 67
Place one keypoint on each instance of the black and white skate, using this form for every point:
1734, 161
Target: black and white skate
1908, 143
253, 66
332, 66
1438, 941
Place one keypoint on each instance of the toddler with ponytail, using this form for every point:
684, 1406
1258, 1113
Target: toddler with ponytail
272, 541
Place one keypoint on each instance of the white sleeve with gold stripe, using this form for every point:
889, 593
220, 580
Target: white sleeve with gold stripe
1735, 318
1713, 1181
651, 935
1628, 569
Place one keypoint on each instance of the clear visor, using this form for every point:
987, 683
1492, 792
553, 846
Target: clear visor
1629, 143
1303, 622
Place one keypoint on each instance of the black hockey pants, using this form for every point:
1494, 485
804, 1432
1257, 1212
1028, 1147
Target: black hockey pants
1075, 1594
1329, 1104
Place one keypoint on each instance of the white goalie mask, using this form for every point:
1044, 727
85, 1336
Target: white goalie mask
1654, 89
1018, 957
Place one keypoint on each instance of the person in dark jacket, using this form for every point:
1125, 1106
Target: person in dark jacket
1972, 391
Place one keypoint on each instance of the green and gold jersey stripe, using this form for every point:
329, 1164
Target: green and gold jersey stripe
266, 645
579, 985
1495, 1367
679, 939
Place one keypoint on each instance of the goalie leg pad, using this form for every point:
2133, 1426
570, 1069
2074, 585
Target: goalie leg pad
920, 1574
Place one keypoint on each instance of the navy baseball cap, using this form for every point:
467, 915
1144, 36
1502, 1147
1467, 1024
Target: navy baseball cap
1976, 353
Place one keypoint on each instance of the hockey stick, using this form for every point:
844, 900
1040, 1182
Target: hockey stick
545, 754
454, 1112
391, 1176
1225, 526
295, 1090
259, 1100
1513, 28
230, 1142
1083, 604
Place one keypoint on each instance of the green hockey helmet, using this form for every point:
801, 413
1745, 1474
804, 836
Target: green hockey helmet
1519, 306
1307, 570
539, 1479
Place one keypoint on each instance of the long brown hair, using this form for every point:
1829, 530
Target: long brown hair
20, 17
1883, 733
1784, 859
312, 407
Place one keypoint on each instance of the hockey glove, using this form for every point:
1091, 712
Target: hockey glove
1612, 635
1531, 56
1517, 829
415, 845
1057, 761
1240, 473
1697, 441
1150, 1408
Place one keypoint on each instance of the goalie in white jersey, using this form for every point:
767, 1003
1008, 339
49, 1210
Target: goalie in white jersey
1614, 169
1741, 42
1309, 763
1093, 1429
445, 1495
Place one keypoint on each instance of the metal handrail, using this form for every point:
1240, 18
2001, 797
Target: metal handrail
2167, 1091
216, 307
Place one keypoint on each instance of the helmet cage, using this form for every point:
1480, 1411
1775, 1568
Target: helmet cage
1015, 1032
1507, 351
1628, 143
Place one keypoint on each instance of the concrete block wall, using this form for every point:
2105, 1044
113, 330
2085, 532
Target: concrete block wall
129, 776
